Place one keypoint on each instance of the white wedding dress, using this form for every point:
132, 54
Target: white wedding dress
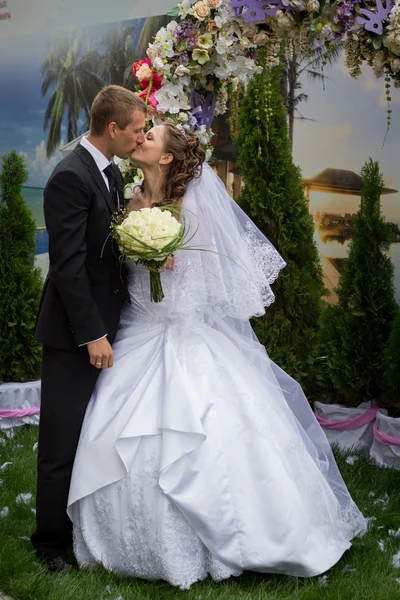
195, 458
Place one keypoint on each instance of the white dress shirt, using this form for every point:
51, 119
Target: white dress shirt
102, 163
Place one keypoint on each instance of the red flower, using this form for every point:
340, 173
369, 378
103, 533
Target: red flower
144, 83
152, 100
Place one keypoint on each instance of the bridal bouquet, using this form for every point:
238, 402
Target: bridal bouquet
149, 236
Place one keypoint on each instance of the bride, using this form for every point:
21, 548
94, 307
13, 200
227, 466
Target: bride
198, 455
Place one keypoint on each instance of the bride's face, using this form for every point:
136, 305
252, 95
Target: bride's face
152, 151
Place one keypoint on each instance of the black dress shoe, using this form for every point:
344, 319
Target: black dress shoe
57, 564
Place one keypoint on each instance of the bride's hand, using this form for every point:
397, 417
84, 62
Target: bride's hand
170, 263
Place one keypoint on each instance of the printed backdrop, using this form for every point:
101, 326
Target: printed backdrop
337, 127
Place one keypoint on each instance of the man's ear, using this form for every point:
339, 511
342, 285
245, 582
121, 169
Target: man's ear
111, 128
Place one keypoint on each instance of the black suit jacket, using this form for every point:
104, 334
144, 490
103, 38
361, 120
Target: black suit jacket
86, 285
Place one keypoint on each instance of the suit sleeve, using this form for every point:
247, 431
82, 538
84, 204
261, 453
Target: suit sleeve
66, 209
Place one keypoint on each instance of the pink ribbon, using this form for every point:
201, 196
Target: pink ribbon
18, 414
349, 424
384, 438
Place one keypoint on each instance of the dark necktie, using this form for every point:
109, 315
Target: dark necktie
112, 181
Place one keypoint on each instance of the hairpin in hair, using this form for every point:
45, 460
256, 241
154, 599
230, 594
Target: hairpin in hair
182, 130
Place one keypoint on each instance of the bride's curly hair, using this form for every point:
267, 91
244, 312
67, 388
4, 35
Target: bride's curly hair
187, 165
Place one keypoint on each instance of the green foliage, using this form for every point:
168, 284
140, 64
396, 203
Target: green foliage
20, 281
391, 376
354, 334
273, 197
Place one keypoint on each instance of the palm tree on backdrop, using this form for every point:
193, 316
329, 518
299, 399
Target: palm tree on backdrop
118, 56
310, 64
71, 70
150, 28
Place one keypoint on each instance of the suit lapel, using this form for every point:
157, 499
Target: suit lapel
97, 176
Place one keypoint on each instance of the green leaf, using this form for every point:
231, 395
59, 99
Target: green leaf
377, 42
173, 12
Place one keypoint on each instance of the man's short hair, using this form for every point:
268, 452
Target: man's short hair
114, 103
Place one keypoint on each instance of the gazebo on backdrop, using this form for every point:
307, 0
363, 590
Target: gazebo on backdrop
334, 181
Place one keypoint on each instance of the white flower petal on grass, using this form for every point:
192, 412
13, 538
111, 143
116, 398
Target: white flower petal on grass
2, 441
33, 510
25, 538
350, 460
394, 533
4, 512
23, 498
5, 465
323, 580
396, 561
381, 545
35, 446
381, 527
18, 446
371, 494
10, 433
348, 569
384, 500
108, 589
397, 579
369, 521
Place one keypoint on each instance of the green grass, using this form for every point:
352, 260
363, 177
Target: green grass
373, 577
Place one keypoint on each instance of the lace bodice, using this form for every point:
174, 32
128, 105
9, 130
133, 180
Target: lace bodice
141, 310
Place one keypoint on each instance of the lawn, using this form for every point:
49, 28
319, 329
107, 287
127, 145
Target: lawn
365, 572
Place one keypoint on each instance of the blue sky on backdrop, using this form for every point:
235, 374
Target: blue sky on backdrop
22, 106
349, 126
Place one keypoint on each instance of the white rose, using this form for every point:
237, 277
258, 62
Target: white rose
200, 10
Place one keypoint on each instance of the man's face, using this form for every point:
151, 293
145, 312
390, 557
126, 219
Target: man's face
129, 139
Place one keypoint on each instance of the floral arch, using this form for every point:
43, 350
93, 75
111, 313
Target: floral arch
196, 61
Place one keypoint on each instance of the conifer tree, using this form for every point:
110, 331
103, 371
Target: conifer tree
274, 199
354, 334
20, 281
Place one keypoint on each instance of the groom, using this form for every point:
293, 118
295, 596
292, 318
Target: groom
81, 302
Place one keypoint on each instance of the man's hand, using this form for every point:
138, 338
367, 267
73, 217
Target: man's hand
101, 354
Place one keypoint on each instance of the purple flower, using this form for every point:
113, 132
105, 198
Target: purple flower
346, 15
185, 58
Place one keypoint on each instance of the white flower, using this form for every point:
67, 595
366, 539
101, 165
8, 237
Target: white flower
181, 70
128, 191
158, 63
283, 20
223, 44
171, 99
312, 5
4, 512
153, 51
205, 41
183, 117
138, 177
152, 226
201, 56
184, 8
